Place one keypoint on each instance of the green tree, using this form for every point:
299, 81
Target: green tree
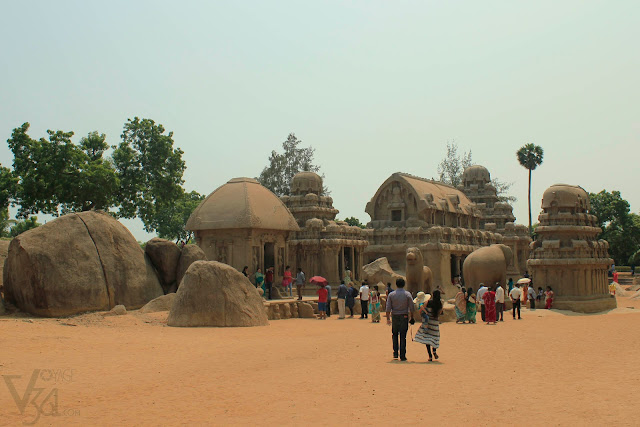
619, 227
4, 222
172, 221
8, 184
354, 222
54, 176
150, 171
283, 166
530, 157
452, 167
24, 225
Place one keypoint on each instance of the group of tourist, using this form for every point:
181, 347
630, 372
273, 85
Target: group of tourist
265, 281
492, 301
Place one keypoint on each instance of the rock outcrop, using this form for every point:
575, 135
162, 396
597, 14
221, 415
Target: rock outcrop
189, 255
379, 271
80, 262
162, 303
216, 294
164, 256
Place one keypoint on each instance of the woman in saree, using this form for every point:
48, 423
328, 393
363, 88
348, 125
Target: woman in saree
374, 306
461, 306
548, 299
471, 306
489, 299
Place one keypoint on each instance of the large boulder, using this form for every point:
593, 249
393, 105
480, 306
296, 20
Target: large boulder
80, 262
215, 294
189, 255
164, 256
380, 271
162, 303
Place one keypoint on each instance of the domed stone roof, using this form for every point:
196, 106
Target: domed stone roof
306, 182
242, 203
565, 196
476, 173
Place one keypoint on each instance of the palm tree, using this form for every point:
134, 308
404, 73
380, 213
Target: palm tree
530, 157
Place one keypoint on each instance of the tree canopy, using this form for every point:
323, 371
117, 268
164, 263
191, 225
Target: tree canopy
530, 157
142, 177
283, 166
354, 222
620, 227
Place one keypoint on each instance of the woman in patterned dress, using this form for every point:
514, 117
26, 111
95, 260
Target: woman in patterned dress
429, 332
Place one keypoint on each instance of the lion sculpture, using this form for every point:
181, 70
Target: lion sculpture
419, 276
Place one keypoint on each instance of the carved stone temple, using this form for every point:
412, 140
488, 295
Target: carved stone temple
242, 224
566, 254
444, 222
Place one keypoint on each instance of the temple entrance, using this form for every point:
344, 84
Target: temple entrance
269, 255
348, 264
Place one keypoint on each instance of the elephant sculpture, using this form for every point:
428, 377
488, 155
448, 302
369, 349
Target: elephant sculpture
487, 265
419, 276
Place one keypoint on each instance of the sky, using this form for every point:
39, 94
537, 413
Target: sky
376, 87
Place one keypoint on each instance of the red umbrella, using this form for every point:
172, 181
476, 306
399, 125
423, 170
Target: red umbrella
318, 280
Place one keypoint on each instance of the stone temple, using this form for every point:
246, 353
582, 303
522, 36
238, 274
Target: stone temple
244, 224
566, 254
444, 222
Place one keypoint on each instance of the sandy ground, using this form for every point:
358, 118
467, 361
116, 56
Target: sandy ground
550, 368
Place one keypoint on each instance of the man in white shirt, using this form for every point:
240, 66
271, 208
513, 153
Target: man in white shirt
499, 302
364, 300
479, 295
515, 295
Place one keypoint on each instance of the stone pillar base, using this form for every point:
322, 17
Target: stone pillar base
585, 304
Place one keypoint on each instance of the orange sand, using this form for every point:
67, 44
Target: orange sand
548, 369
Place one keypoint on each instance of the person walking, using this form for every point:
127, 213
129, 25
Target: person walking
461, 306
400, 309
500, 302
389, 290
268, 281
510, 285
429, 332
351, 298
480, 299
374, 305
287, 281
472, 309
515, 296
328, 288
489, 298
364, 300
259, 277
342, 296
300, 280
322, 302
532, 297
548, 299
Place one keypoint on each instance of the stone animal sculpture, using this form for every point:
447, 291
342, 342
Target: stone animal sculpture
487, 265
419, 276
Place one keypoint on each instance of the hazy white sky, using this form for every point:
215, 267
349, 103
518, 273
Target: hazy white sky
375, 87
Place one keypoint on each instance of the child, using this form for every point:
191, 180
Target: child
540, 294
549, 298
322, 302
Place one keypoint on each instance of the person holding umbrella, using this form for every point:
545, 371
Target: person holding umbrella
322, 293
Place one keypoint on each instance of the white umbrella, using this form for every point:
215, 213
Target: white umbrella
524, 281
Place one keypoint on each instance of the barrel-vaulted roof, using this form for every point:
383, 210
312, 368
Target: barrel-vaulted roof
242, 203
429, 194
